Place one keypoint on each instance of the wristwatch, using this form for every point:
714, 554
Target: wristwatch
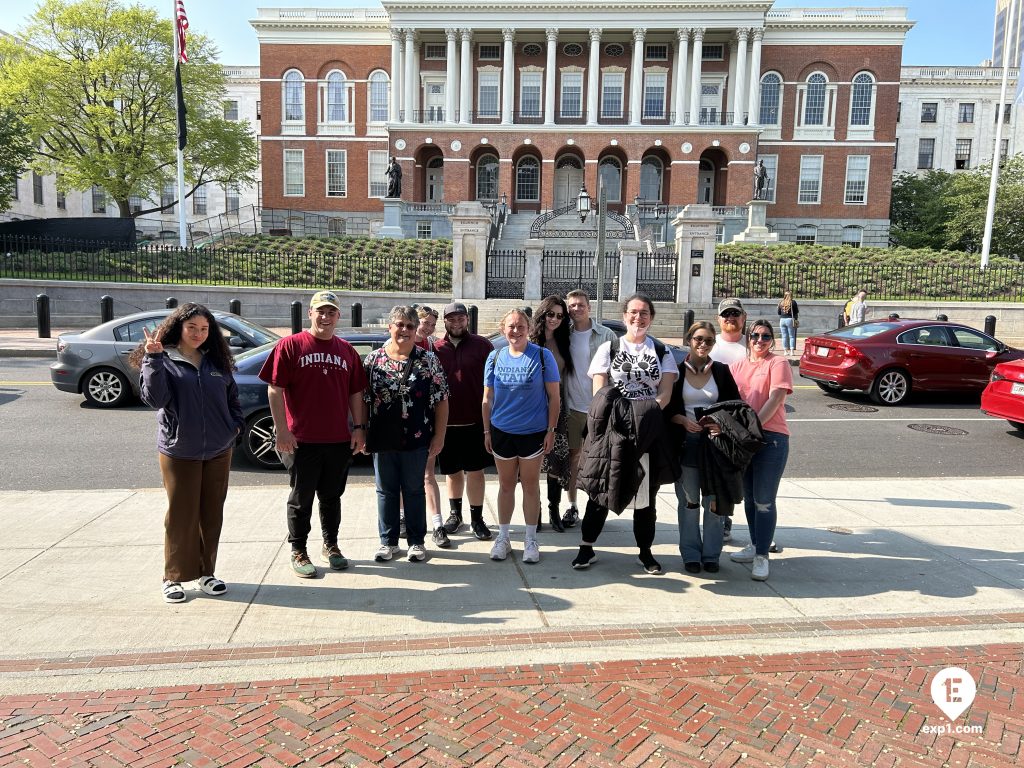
358, 426
551, 429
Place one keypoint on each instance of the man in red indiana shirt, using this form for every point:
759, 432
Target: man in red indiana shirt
316, 382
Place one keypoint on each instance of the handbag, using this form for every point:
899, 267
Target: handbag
796, 323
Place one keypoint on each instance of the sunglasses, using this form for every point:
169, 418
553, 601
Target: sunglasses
731, 313
551, 315
406, 326
706, 341
761, 337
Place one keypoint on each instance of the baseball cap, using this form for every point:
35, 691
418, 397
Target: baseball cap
455, 308
730, 304
325, 298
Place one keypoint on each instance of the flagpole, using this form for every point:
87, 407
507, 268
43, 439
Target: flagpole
990, 211
182, 240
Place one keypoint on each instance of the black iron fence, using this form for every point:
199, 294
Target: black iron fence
506, 274
564, 271
656, 275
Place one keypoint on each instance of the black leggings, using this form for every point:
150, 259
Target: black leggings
643, 524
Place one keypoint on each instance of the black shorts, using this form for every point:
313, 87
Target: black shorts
463, 450
505, 445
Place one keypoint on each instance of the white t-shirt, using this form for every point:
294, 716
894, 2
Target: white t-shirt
729, 352
694, 398
636, 370
578, 386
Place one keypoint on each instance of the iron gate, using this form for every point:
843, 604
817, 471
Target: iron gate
656, 275
564, 271
506, 274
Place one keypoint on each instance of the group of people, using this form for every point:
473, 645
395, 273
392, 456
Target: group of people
563, 397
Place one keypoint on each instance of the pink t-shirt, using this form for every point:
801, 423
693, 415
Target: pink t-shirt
757, 379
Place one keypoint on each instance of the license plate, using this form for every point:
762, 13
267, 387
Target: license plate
821, 351
1017, 389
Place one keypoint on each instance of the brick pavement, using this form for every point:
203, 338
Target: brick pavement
861, 707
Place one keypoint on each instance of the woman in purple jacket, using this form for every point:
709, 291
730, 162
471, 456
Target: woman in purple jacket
187, 375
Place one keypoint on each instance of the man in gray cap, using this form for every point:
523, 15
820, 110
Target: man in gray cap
463, 459
731, 346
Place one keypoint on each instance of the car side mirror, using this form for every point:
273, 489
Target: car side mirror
238, 342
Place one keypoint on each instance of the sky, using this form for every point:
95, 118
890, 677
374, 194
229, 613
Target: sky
947, 32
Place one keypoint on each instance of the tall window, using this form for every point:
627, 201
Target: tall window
654, 94
1007, 113
231, 109
167, 198
853, 236
135, 203
896, 154
62, 202
14, 191
380, 96
857, 179
611, 94
929, 111
572, 94
1004, 150
294, 173
294, 107
232, 198
963, 154
487, 178
861, 99
810, 179
610, 173
489, 90
199, 201
771, 96
528, 180
925, 153
650, 180
99, 200
529, 94
814, 100
966, 112
771, 165
376, 168
337, 174
334, 110
37, 188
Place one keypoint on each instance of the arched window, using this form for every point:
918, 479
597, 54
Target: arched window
380, 97
294, 100
807, 233
650, 180
771, 97
610, 173
335, 99
862, 99
528, 180
852, 236
487, 178
814, 100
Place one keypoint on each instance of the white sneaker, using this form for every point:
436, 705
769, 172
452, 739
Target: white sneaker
385, 553
745, 555
501, 549
760, 570
531, 552
417, 553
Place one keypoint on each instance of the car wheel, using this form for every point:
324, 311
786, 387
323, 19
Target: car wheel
258, 440
891, 387
827, 386
1016, 424
105, 388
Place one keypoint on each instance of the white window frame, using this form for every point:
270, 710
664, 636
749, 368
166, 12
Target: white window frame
802, 131
776, 125
488, 46
231, 110
771, 165
858, 171
850, 243
533, 162
931, 161
497, 165
232, 191
376, 166
865, 131
290, 157
489, 78
328, 161
608, 79
806, 228
375, 125
656, 78
435, 51
293, 125
656, 52
328, 123
200, 204
807, 168
960, 112
958, 157
576, 75
712, 52
531, 77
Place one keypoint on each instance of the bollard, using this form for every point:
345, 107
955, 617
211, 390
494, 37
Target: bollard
474, 317
840, 322
357, 315
43, 315
171, 302
528, 311
687, 320
942, 317
235, 307
296, 316
990, 325
106, 309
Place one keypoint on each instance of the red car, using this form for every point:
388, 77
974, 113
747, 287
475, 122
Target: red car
1004, 395
891, 358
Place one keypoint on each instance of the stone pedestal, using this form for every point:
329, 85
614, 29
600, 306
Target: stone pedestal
392, 226
471, 226
757, 231
534, 270
696, 235
629, 252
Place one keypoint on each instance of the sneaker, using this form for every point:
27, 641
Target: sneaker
173, 593
727, 529
571, 517
440, 538
212, 586
555, 520
480, 530
385, 553
760, 570
302, 565
775, 548
650, 565
584, 558
711, 567
531, 552
501, 549
333, 557
691, 567
745, 555
453, 523
417, 553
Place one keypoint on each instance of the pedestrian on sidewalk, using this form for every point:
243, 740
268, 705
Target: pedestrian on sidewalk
407, 406
187, 375
858, 307
520, 411
315, 388
789, 312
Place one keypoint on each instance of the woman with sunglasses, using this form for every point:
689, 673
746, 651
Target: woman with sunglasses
702, 382
764, 380
550, 329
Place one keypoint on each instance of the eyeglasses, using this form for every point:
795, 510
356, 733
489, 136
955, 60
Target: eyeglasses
406, 326
731, 313
761, 337
551, 315
705, 341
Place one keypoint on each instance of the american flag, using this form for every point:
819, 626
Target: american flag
181, 25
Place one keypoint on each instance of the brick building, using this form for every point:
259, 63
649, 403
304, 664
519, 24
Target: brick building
668, 103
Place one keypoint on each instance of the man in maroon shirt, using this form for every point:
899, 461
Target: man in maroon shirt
316, 381
463, 458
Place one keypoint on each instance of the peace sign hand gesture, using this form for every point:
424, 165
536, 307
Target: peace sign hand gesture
153, 346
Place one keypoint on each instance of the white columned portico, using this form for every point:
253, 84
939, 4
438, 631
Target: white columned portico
754, 95
466, 79
508, 80
695, 65
738, 100
451, 85
682, 53
636, 77
396, 75
409, 80
549, 77
593, 76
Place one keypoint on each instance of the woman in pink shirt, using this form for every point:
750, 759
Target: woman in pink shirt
764, 379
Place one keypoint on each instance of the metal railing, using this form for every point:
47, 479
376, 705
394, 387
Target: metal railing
564, 271
656, 275
439, 115
506, 274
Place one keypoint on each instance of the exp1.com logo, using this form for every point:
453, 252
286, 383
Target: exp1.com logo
953, 690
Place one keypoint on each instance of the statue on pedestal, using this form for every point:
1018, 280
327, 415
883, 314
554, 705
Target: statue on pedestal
394, 174
760, 180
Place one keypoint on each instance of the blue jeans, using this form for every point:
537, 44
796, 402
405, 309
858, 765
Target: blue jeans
399, 476
788, 328
761, 486
692, 547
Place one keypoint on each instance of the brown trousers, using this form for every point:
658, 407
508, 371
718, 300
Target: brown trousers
195, 513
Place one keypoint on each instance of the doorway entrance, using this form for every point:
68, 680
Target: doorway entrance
435, 180
568, 180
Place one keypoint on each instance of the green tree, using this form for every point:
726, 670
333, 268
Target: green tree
920, 209
968, 204
94, 81
17, 152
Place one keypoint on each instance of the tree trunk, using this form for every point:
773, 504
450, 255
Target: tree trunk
123, 210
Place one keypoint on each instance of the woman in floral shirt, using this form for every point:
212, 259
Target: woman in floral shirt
408, 412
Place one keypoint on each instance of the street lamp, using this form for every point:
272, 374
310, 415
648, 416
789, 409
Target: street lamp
583, 209
583, 203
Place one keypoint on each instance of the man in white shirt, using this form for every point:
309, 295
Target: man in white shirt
731, 345
859, 307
